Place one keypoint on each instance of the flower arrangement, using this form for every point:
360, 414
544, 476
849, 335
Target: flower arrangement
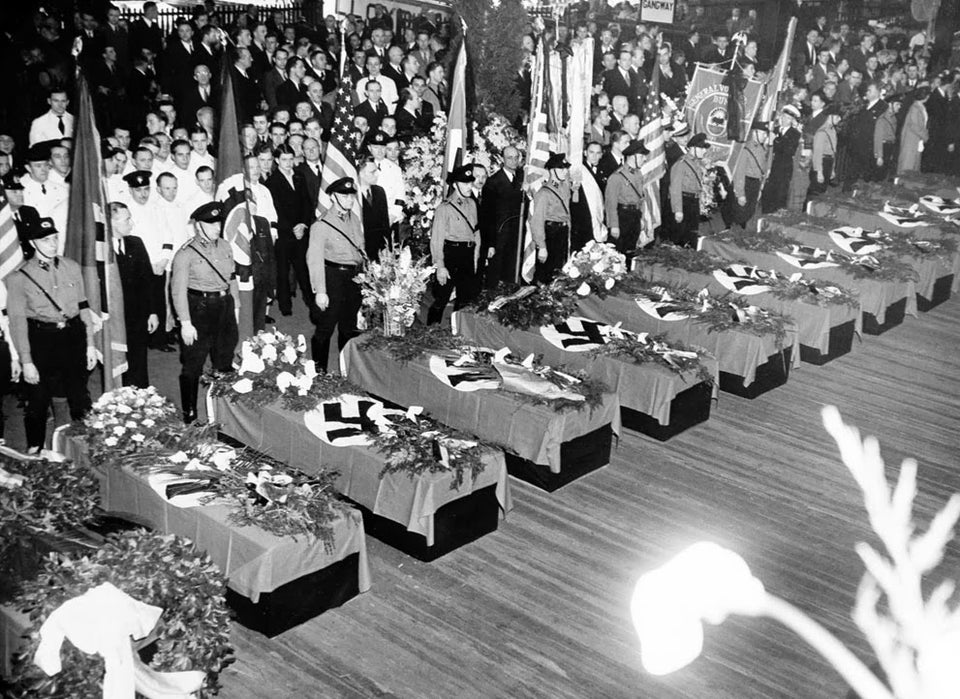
272, 364
128, 419
595, 268
712, 189
393, 287
641, 348
161, 570
529, 306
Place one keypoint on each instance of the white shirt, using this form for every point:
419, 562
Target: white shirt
57, 178
197, 161
174, 218
186, 181
388, 91
50, 199
46, 127
117, 189
148, 225
197, 199
391, 179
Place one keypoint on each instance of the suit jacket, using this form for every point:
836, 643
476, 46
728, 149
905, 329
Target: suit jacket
499, 213
712, 55
270, 82
143, 36
328, 79
119, 39
374, 116
177, 67
261, 63
615, 84
247, 95
213, 61
606, 167
819, 77
396, 75
289, 94
190, 100
325, 114
311, 184
136, 276
410, 125
291, 203
376, 221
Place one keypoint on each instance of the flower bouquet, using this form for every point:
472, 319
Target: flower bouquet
393, 287
712, 190
129, 419
272, 364
597, 266
423, 178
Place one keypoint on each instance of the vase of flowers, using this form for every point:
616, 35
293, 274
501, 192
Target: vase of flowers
392, 287
595, 268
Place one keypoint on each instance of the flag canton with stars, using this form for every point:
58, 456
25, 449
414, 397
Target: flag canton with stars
341, 134
651, 133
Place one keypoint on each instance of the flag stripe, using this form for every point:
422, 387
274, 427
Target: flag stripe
655, 165
457, 123
341, 158
11, 254
538, 150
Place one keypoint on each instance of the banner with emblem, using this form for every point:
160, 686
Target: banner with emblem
351, 420
577, 334
707, 110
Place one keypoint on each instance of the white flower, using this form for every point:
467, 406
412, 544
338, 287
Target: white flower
124, 409
598, 268
110, 441
138, 437
130, 424
222, 458
289, 355
583, 289
118, 430
609, 283
250, 363
573, 272
148, 423
309, 369
268, 338
179, 458
269, 353
301, 344
285, 380
243, 386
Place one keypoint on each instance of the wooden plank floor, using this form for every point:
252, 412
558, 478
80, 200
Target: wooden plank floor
540, 608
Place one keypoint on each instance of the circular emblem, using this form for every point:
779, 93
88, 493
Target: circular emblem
717, 123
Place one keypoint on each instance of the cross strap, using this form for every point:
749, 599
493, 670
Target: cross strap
212, 266
45, 293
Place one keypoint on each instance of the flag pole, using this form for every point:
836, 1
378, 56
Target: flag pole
524, 206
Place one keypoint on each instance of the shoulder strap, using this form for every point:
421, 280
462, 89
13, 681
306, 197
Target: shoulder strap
566, 209
632, 185
207, 260
44, 292
462, 215
693, 171
754, 158
363, 255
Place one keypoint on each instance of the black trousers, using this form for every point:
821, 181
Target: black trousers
459, 262
631, 222
217, 335
735, 215
557, 236
60, 355
160, 338
292, 254
5, 377
137, 341
687, 231
502, 267
817, 187
340, 315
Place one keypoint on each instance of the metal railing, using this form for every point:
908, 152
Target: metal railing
226, 14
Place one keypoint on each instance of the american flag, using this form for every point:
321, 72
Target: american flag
11, 254
538, 149
775, 82
655, 165
341, 159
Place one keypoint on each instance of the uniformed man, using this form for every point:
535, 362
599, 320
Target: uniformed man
334, 257
205, 298
550, 219
52, 329
24, 216
455, 245
686, 179
623, 201
740, 206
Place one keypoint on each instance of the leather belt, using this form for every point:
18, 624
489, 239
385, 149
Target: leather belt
206, 294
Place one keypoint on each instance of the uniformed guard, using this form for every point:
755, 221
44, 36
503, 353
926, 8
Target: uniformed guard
455, 245
52, 328
550, 219
205, 298
686, 180
740, 206
623, 201
334, 257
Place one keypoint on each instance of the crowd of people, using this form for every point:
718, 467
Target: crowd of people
861, 103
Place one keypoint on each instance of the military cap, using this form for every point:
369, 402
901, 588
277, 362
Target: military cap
41, 229
344, 185
38, 153
211, 212
107, 151
557, 161
698, 141
790, 110
635, 148
377, 139
11, 181
763, 125
138, 178
464, 173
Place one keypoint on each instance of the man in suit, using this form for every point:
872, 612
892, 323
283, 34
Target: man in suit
848, 91
292, 90
858, 56
319, 107
141, 306
178, 58
393, 69
612, 159
115, 34
258, 50
935, 151
821, 70
388, 88
806, 56
373, 107
109, 98
199, 94
245, 89
619, 81
310, 170
321, 72
376, 216
411, 120
719, 51
290, 198
209, 51
275, 77
145, 32
423, 53
501, 199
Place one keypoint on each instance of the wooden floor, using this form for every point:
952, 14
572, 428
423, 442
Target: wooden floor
540, 608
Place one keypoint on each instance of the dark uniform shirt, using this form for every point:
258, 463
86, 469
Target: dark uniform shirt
624, 188
191, 271
61, 279
455, 220
329, 243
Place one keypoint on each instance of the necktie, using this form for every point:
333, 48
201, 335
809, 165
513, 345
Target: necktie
43, 188
120, 247
60, 125
204, 92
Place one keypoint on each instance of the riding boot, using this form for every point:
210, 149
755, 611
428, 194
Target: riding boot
188, 398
